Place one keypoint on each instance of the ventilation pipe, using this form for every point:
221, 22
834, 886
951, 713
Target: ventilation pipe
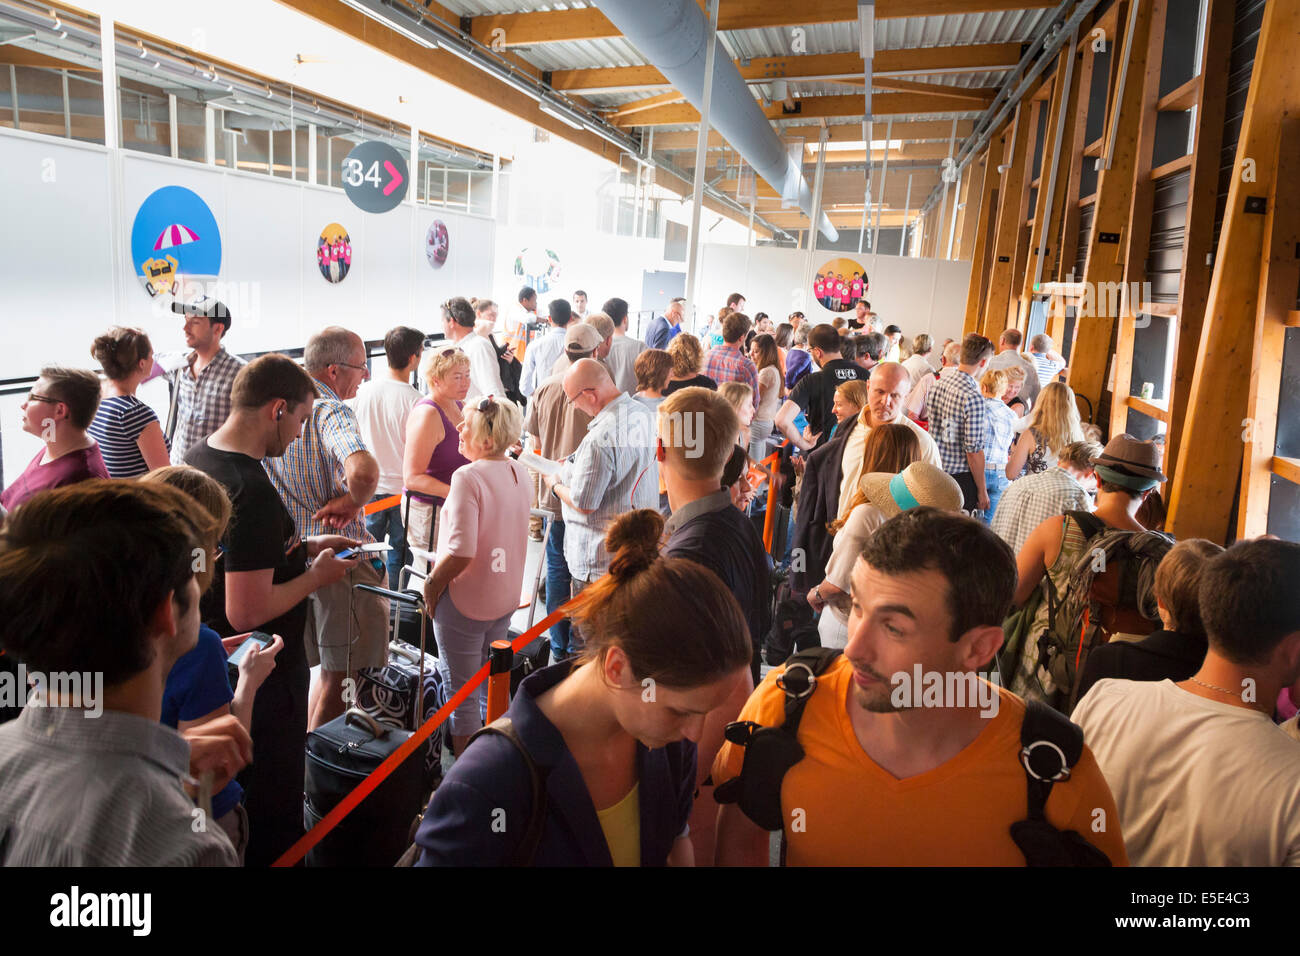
672, 34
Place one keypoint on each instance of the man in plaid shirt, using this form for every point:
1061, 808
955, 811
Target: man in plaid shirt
957, 421
1031, 500
727, 362
201, 389
326, 478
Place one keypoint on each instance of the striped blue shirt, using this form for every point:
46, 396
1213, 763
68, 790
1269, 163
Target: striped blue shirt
1047, 368
116, 427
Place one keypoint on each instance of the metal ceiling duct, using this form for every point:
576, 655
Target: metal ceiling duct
671, 35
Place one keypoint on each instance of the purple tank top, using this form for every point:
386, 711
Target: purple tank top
446, 457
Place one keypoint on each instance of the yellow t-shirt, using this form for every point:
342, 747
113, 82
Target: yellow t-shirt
843, 809
621, 825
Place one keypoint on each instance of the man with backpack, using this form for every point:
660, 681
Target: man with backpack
902, 755
1085, 577
1201, 774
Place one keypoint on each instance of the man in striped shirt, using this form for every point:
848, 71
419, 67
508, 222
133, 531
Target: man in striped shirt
727, 362
201, 389
1049, 362
326, 478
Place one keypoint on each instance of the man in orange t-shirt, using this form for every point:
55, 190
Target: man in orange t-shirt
910, 759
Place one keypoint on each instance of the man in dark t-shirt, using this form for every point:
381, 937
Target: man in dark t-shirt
262, 582
815, 393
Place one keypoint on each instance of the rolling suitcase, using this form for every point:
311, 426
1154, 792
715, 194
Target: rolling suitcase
409, 689
340, 755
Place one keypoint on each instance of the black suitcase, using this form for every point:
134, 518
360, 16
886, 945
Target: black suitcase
340, 755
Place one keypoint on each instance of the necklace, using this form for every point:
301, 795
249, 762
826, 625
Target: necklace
1213, 687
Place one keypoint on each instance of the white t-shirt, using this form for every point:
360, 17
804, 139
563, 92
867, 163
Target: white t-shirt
382, 407
851, 468
484, 370
853, 534
1197, 782
623, 350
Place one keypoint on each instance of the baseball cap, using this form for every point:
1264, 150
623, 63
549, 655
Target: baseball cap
581, 339
206, 306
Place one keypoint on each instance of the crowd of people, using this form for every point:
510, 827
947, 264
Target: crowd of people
936, 610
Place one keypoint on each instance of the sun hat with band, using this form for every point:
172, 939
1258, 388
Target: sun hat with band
1130, 463
920, 483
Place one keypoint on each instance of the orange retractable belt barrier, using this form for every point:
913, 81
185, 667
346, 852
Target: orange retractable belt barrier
392, 501
345, 806
769, 517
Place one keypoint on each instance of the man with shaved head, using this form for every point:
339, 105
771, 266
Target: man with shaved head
613, 471
887, 394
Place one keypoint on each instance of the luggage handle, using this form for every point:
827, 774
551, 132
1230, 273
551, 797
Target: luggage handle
377, 730
400, 649
406, 597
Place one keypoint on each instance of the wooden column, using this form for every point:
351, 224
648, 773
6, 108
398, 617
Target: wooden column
1105, 264
1074, 147
1198, 234
1218, 416
1011, 221
1139, 219
1279, 279
982, 249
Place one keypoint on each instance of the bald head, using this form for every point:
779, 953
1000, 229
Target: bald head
588, 385
887, 391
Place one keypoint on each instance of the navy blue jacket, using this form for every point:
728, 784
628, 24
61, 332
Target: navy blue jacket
490, 776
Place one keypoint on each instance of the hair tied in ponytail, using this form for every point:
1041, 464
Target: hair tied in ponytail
633, 542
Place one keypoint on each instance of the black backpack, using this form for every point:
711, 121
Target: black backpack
1050, 746
512, 371
793, 627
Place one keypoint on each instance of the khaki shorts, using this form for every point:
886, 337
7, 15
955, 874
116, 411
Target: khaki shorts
340, 619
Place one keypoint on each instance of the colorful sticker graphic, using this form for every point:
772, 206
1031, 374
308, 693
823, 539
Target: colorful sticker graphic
174, 237
539, 268
334, 252
839, 284
437, 243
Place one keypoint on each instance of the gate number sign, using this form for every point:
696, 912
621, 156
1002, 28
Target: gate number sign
375, 177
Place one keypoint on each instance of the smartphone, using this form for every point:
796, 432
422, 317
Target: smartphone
257, 639
377, 547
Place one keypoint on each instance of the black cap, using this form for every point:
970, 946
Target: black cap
212, 309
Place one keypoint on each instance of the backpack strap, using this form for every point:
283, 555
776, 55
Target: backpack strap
1050, 744
527, 848
799, 680
1088, 523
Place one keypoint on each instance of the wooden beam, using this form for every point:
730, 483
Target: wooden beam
1090, 355
1010, 221
971, 181
1150, 409
1288, 468
17, 56
1198, 231
985, 234
684, 140
1067, 240
1141, 205
1209, 458
812, 107
638, 106
1181, 99
1280, 277
588, 23
978, 97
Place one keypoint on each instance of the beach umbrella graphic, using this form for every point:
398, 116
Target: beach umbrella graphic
175, 235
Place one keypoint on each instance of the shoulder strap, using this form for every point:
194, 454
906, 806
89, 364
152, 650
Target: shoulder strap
1050, 744
799, 680
1088, 523
527, 848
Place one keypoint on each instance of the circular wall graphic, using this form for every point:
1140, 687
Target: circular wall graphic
539, 268
334, 252
437, 243
174, 234
839, 284
375, 176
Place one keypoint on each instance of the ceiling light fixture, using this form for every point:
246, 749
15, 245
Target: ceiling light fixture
378, 10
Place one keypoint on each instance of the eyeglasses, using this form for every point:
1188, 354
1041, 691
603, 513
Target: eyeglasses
33, 397
362, 368
579, 395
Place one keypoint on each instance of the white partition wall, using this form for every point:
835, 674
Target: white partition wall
917, 295
58, 288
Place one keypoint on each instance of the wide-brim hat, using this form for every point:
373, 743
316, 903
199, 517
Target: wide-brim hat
1132, 456
920, 483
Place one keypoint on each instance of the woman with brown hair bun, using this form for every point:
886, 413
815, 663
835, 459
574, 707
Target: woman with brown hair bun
612, 734
129, 434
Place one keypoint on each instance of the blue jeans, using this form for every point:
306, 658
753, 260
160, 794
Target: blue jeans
995, 480
557, 588
389, 522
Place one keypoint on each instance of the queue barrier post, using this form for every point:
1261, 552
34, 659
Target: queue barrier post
501, 661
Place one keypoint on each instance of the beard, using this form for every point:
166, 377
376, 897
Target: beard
876, 699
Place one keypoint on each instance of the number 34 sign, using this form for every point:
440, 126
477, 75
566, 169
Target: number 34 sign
374, 177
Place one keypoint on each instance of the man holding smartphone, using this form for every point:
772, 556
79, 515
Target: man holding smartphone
262, 582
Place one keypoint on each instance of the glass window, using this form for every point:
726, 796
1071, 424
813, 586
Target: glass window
191, 130
145, 117
254, 147
284, 157
7, 88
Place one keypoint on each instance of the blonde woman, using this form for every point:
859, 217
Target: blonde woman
432, 454
482, 545
688, 362
1053, 424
